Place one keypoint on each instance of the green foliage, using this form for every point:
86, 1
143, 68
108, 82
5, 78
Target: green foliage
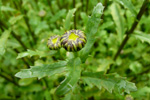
91, 29
71, 78
109, 82
67, 22
3, 40
31, 53
127, 4
142, 36
42, 70
116, 14
29, 70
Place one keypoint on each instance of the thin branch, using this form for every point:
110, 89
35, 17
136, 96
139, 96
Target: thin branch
10, 79
50, 6
87, 5
143, 8
74, 5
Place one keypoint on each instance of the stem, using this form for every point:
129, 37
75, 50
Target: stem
23, 59
19, 40
74, 5
82, 5
50, 6
87, 3
10, 79
143, 8
28, 25
58, 3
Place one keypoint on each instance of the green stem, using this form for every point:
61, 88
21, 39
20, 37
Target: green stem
87, 5
8, 78
143, 8
50, 6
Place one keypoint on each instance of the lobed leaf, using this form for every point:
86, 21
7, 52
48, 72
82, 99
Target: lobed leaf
91, 29
42, 70
109, 82
68, 19
142, 36
71, 78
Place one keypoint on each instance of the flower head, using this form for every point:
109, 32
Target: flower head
73, 40
53, 42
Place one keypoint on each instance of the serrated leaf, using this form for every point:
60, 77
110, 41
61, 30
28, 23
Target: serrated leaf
71, 78
14, 19
31, 53
127, 4
109, 82
142, 36
118, 19
58, 15
91, 29
67, 22
3, 40
42, 70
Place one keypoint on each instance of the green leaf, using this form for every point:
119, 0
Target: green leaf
3, 40
118, 19
71, 78
34, 53
5, 8
136, 67
142, 36
42, 70
67, 22
109, 82
14, 19
91, 29
58, 15
127, 4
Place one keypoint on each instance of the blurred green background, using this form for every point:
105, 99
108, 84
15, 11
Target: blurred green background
26, 25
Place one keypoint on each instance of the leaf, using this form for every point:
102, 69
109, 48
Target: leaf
71, 78
109, 82
14, 19
42, 70
34, 53
142, 36
136, 67
58, 15
118, 19
91, 29
3, 40
67, 22
127, 4
5, 8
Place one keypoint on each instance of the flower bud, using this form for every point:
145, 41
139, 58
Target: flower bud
53, 42
73, 40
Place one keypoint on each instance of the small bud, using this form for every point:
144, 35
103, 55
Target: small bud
53, 42
73, 40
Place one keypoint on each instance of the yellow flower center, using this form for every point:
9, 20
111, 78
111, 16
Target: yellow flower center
54, 40
73, 36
